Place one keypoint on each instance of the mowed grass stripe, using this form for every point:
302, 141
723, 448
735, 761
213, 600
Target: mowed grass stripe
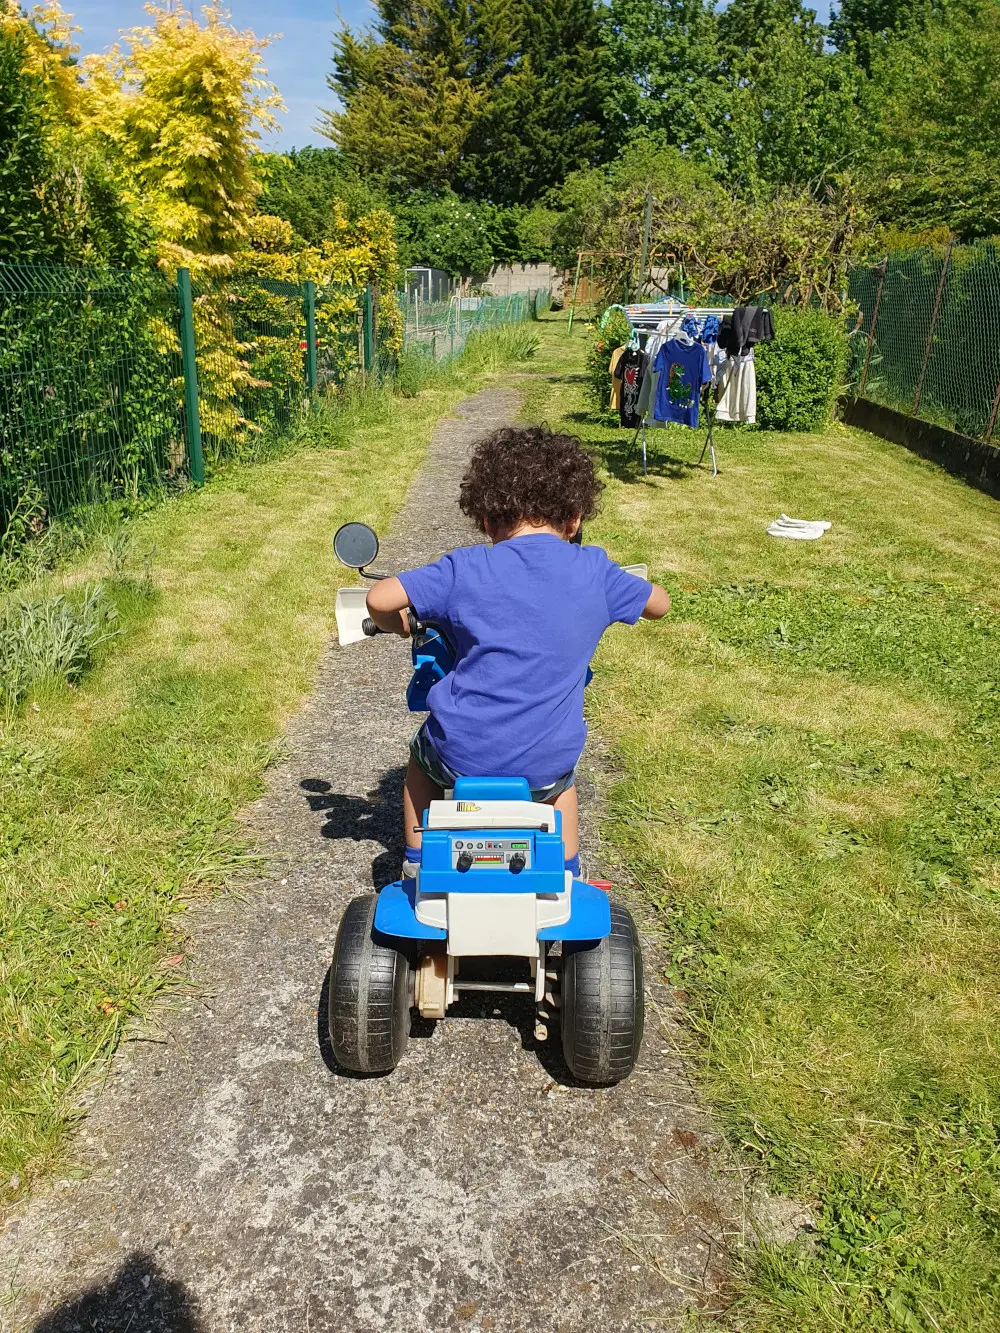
810, 797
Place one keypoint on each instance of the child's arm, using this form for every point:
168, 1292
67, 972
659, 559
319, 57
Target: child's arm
387, 602
657, 605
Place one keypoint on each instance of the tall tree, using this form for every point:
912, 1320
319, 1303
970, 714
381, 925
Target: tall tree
546, 115
935, 108
793, 106
178, 111
866, 26
58, 198
302, 185
498, 98
667, 78
27, 230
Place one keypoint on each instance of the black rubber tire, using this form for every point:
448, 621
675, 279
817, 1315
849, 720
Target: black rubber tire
602, 1003
371, 984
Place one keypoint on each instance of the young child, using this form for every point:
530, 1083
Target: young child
525, 616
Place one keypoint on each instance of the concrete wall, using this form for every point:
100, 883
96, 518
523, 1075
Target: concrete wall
506, 279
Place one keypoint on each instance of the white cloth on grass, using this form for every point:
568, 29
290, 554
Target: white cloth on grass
798, 529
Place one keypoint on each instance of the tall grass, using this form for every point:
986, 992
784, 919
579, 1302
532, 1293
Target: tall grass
489, 350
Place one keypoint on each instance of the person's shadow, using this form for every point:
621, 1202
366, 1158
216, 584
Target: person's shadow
138, 1298
375, 817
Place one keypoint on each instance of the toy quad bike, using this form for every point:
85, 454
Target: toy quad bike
491, 892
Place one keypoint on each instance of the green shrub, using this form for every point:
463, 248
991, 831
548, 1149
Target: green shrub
801, 373
615, 333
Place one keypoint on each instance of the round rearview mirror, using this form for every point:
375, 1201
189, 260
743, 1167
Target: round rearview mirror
355, 545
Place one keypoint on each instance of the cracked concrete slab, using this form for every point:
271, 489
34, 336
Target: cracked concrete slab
235, 1180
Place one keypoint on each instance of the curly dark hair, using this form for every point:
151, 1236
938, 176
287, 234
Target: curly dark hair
529, 472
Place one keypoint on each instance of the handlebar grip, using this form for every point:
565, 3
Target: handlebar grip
369, 629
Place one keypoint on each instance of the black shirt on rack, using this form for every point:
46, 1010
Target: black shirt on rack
744, 328
631, 370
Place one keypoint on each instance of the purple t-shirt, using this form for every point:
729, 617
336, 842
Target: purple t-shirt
525, 617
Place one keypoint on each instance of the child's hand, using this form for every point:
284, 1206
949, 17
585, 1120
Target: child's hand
388, 606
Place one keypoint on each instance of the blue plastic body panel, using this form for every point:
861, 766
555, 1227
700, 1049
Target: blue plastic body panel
395, 914
547, 872
432, 660
590, 915
492, 789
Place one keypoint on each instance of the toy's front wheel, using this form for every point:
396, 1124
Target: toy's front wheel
602, 1003
371, 986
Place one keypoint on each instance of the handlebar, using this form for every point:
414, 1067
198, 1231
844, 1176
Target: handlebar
369, 629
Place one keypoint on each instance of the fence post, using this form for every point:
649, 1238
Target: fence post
369, 331
309, 308
871, 331
647, 225
934, 320
993, 415
576, 284
196, 461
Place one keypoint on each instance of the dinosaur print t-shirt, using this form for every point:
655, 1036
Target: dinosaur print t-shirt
683, 370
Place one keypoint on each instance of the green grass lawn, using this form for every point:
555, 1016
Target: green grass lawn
117, 797
811, 801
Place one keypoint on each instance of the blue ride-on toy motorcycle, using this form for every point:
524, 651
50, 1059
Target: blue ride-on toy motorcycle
491, 887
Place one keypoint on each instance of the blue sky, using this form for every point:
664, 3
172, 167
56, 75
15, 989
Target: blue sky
298, 63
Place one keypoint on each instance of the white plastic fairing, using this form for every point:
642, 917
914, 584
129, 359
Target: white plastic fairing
491, 814
432, 909
351, 610
492, 924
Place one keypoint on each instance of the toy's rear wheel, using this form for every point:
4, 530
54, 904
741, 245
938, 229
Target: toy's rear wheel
371, 988
602, 1003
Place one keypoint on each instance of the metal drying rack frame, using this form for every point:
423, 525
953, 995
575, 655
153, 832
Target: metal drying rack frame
646, 318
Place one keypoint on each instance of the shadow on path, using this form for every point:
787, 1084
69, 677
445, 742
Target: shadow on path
375, 817
137, 1299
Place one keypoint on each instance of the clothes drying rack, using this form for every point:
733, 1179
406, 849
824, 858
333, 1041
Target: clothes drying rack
708, 446
646, 317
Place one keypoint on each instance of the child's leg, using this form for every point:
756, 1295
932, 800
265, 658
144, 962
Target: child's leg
568, 806
418, 792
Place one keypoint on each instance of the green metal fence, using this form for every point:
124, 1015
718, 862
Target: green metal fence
442, 328
90, 380
117, 381
927, 343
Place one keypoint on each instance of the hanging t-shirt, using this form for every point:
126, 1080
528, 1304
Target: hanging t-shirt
736, 385
683, 371
631, 371
616, 384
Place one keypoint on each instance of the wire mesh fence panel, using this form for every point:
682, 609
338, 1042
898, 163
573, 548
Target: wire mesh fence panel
963, 371
441, 329
250, 340
339, 335
90, 385
931, 354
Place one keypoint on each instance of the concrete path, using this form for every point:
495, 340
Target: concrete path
237, 1183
